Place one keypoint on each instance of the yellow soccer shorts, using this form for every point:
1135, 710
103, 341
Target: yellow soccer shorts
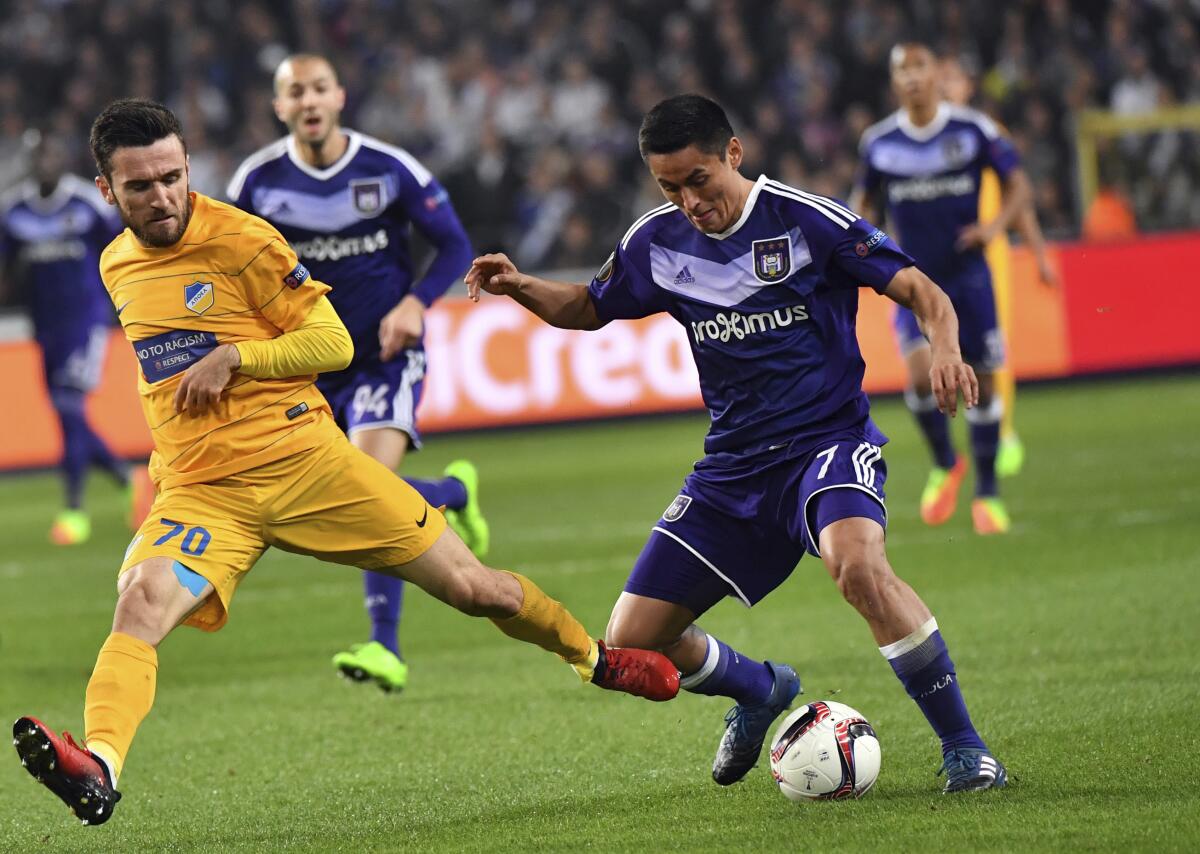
332, 502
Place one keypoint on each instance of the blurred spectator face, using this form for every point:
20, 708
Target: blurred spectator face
914, 75
955, 83
49, 162
308, 98
707, 188
149, 186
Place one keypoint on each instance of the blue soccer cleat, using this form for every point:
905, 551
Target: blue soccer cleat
970, 769
747, 727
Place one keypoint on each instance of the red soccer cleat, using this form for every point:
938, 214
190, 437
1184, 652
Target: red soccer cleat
71, 772
640, 672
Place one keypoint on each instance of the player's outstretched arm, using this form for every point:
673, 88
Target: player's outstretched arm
319, 344
948, 373
1031, 232
560, 304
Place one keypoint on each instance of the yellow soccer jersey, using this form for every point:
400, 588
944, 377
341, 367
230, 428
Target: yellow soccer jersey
231, 277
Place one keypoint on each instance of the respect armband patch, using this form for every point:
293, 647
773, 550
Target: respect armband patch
297, 277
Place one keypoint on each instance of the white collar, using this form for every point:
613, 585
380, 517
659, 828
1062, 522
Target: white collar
925, 132
747, 209
352, 146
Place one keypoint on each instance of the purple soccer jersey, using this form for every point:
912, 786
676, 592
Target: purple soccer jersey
930, 178
53, 244
770, 308
351, 225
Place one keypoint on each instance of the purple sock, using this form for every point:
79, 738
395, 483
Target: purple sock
985, 439
935, 426
448, 491
727, 673
76, 447
923, 666
385, 595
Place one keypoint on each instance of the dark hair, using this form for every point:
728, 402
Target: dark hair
684, 120
130, 123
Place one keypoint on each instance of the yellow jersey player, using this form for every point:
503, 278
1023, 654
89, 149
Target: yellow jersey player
958, 88
230, 332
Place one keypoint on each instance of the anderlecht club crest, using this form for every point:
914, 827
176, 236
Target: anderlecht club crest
772, 259
368, 197
198, 297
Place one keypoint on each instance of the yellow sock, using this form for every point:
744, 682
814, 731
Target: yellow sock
119, 695
1006, 389
545, 622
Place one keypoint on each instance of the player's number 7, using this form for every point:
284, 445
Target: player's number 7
828, 455
194, 542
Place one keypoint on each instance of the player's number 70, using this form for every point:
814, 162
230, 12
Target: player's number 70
194, 542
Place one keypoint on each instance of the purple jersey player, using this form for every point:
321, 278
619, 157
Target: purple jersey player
348, 203
926, 160
52, 230
765, 280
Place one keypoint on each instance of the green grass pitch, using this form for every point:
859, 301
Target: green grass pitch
1075, 638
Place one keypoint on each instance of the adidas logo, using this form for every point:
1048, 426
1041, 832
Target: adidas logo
685, 277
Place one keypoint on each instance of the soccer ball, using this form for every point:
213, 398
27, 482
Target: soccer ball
824, 750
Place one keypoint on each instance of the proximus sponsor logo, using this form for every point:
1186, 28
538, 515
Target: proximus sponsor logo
334, 248
737, 325
926, 189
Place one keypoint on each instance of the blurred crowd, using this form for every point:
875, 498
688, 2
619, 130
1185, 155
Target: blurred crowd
527, 110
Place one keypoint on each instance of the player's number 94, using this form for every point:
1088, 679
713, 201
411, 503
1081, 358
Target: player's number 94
194, 542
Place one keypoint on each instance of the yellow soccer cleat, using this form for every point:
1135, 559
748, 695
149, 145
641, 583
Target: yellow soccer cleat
940, 496
71, 528
989, 516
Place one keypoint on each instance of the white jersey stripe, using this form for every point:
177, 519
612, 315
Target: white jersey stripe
266, 154
643, 219
423, 175
824, 211
825, 200
829, 204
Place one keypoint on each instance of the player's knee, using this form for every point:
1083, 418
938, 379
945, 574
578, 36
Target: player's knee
628, 630
141, 611
861, 573
623, 633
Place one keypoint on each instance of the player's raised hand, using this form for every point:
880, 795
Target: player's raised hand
202, 383
949, 375
401, 327
493, 273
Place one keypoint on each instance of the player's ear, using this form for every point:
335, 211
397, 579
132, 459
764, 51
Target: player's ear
105, 189
341, 98
734, 152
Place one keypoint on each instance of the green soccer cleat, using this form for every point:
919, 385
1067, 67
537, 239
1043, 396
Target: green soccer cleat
940, 496
468, 522
373, 661
989, 516
1010, 456
71, 528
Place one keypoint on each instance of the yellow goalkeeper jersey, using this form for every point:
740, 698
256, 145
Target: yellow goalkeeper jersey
231, 277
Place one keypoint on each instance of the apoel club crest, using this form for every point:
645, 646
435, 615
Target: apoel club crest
368, 196
198, 297
772, 259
